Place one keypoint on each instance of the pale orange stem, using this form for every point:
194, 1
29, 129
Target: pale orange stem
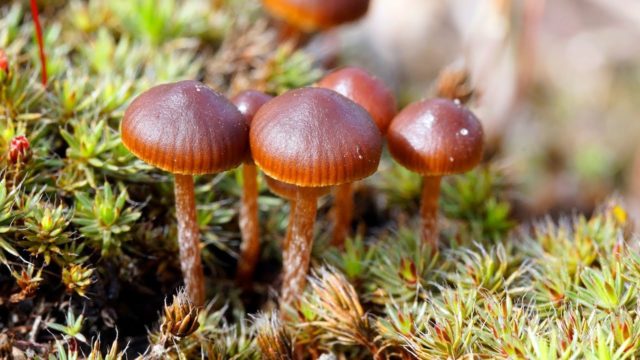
189, 238
250, 246
429, 209
287, 237
297, 256
342, 213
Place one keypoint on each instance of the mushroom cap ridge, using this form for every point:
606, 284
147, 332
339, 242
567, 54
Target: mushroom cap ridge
315, 137
185, 128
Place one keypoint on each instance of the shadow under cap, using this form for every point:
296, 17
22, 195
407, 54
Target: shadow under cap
315, 137
436, 137
185, 128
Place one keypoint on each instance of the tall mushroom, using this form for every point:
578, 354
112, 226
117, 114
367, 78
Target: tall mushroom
374, 96
248, 102
311, 138
187, 129
435, 138
306, 16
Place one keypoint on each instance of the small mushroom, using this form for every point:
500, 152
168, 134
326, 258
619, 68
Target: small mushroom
306, 16
248, 102
374, 96
311, 138
435, 138
187, 129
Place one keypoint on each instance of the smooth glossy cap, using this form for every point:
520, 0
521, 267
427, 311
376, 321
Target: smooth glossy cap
365, 90
249, 102
315, 137
185, 128
436, 137
311, 15
289, 191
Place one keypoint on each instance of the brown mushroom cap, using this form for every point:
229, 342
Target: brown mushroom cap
365, 90
436, 137
311, 15
185, 128
249, 102
289, 191
315, 137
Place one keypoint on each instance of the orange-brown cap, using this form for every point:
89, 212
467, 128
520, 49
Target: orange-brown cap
185, 128
249, 102
365, 90
290, 192
313, 137
436, 137
311, 15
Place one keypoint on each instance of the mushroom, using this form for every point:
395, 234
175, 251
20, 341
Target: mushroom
306, 16
435, 138
310, 138
187, 129
373, 95
248, 102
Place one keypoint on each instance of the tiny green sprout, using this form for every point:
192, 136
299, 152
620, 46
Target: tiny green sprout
477, 199
70, 352
402, 268
492, 270
605, 289
69, 92
113, 353
105, 220
45, 229
354, 260
7, 202
401, 321
72, 329
290, 69
77, 278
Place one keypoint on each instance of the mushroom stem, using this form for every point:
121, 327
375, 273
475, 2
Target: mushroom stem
297, 255
292, 35
429, 209
189, 238
292, 215
250, 246
343, 213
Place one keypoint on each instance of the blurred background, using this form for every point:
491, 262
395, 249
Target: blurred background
557, 85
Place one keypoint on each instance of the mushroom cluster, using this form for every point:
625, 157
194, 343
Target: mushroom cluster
306, 142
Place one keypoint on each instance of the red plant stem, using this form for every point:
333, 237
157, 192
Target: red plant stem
189, 238
43, 58
429, 209
343, 214
297, 256
250, 246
